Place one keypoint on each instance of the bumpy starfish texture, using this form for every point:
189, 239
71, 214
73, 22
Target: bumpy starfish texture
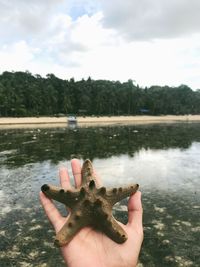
90, 206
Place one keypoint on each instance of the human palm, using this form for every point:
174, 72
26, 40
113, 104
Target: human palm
91, 248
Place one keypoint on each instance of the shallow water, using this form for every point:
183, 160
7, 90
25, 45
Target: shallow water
163, 159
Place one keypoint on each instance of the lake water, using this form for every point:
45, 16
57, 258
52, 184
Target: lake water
163, 159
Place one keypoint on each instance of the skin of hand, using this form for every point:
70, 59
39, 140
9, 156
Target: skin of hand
90, 248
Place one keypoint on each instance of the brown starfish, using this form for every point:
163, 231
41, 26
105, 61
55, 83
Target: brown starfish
90, 206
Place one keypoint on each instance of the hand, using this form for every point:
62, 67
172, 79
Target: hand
90, 248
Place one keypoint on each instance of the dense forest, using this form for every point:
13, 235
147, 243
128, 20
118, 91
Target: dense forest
24, 94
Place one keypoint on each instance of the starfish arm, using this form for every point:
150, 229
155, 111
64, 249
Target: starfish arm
116, 194
68, 198
114, 231
87, 172
73, 225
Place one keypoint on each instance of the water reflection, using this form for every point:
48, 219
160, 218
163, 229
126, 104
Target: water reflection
19, 147
155, 171
164, 160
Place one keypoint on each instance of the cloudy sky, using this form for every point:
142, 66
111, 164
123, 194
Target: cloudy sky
149, 41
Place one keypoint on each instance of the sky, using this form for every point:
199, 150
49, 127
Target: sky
152, 42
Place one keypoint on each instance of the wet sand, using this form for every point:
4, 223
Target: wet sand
31, 122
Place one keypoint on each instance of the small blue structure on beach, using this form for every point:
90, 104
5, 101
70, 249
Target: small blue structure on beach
144, 110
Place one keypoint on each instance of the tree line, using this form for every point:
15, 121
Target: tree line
25, 94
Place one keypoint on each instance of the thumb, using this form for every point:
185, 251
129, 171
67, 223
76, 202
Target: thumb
135, 211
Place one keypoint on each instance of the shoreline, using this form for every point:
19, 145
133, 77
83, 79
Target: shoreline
32, 122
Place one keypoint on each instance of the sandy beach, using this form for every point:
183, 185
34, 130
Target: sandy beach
31, 122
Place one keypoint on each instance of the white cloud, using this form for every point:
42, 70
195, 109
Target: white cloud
25, 19
44, 37
152, 19
16, 56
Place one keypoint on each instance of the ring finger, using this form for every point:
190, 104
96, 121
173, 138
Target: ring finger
64, 178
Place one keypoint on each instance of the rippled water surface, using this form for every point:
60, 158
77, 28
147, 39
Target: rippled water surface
163, 159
